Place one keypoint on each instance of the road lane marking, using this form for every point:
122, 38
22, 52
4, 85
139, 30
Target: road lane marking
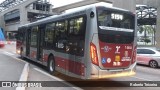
24, 76
11, 55
8, 53
58, 79
15, 58
25, 72
141, 78
14, 52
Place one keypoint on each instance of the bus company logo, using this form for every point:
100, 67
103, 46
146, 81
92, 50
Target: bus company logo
106, 48
117, 49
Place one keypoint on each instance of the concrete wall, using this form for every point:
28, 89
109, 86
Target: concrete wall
154, 3
22, 7
158, 28
125, 4
23, 16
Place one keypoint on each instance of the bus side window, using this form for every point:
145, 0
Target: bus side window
49, 36
76, 36
34, 32
21, 35
61, 36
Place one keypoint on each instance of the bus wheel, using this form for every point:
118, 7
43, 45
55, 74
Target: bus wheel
51, 65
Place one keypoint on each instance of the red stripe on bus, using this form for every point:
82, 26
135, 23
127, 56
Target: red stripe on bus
45, 57
71, 66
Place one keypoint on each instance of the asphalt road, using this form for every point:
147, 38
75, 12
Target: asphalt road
11, 68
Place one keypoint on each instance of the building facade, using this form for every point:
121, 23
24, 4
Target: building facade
14, 13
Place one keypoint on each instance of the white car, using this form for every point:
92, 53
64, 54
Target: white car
148, 56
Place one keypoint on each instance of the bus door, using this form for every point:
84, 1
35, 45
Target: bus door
40, 42
21, 41
75, 63
75, 45
28, 39
34, 42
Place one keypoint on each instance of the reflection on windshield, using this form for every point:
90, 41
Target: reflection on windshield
115, 19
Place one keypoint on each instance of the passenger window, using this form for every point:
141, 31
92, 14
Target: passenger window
61, 35
76, 36
34, 32
76, 26
21, 34
71, 30
49, 35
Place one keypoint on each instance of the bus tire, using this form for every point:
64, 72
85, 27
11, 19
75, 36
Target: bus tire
51, 65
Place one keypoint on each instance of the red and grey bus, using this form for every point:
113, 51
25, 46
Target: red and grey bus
90, 43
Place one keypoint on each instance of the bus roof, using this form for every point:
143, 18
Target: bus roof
80, 11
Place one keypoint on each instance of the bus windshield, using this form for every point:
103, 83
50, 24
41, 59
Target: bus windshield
115, 26
110, 18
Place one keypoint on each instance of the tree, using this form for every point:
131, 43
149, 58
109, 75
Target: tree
147, 29
147, 40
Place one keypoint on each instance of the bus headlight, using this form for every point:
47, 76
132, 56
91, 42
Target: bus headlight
18, 51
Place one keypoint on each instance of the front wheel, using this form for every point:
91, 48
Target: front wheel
153, 64
51, 65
